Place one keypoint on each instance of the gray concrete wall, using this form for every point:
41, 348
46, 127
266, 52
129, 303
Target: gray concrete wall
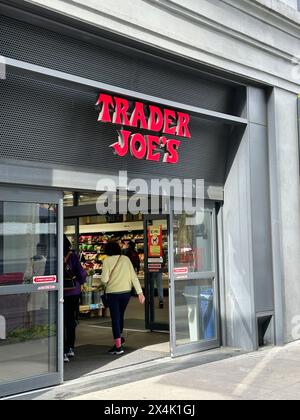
287, 147
238, 273
290, 3
258, 39
260, 202
247, 231
281, 6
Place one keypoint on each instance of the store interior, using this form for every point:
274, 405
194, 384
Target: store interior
146, 327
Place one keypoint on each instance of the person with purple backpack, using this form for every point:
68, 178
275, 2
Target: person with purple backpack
73, 270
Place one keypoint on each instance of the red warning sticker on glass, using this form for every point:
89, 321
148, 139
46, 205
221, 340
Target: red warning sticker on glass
44, 279
181, 270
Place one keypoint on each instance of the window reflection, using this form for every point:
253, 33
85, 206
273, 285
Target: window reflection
195, 311
27, 242
28, 335
193, 242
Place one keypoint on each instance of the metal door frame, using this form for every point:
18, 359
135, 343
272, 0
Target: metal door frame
149, 304
73, 221
31, 195
191, 348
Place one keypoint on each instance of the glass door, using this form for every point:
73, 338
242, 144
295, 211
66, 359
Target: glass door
157, 278
30, 293
71, 230
194, 283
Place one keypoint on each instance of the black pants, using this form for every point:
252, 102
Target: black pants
71, 308
117, 304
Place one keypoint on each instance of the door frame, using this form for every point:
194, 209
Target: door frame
73, 221
190, 348
149, 304
31, 195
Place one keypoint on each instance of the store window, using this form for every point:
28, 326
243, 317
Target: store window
68, 199
193, 245
28, 347
27, 242
195, 278
28, 313
88, 199
195, 311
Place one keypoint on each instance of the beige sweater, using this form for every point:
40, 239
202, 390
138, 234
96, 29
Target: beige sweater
123, 278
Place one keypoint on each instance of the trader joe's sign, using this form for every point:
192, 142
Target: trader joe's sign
137, 115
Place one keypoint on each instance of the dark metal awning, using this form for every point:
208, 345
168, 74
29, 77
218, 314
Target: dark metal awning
76, 82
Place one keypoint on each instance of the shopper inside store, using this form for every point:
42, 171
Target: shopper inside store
119, 276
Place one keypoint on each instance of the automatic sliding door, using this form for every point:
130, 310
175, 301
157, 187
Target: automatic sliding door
194, 283
156, 273
30, 321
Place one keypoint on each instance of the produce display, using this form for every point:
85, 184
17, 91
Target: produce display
92, 255
92, 248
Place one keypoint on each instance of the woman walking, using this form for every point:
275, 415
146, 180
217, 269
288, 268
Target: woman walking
119, 277
71, 298
133, 255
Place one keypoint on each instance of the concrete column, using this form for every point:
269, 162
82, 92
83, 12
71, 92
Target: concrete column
247, 231
285, 205
238, 257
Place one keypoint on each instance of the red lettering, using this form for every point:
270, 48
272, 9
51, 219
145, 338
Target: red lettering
153, 142
138, 116
172, 148
122, 146
140, 151
156, 119
170, 122
107, 102
120, 115
183, 125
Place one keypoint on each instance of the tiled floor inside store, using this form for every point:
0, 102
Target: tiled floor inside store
94, 339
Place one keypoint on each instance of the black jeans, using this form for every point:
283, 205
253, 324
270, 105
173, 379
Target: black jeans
71, 309
117, 304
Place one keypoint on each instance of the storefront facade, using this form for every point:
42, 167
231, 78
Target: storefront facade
241, 139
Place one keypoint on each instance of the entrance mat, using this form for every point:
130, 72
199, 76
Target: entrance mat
93, 359
130, 324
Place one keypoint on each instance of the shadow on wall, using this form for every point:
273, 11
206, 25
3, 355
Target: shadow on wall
234, 142
238, 293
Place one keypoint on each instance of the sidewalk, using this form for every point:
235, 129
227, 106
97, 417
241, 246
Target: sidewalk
270, 374
221, 374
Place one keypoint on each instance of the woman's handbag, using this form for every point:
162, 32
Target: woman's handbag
70, 279
104, 296
104, 300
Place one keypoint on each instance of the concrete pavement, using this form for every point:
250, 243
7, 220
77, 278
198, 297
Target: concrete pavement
270, 374
221, 374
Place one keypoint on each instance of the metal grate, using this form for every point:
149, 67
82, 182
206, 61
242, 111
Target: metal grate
24, 41
44, 122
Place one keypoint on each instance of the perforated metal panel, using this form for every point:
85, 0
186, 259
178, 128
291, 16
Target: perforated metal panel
37, 45
45, 123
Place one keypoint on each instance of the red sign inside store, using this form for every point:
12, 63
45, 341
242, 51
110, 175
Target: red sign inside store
137, 115
155, 242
